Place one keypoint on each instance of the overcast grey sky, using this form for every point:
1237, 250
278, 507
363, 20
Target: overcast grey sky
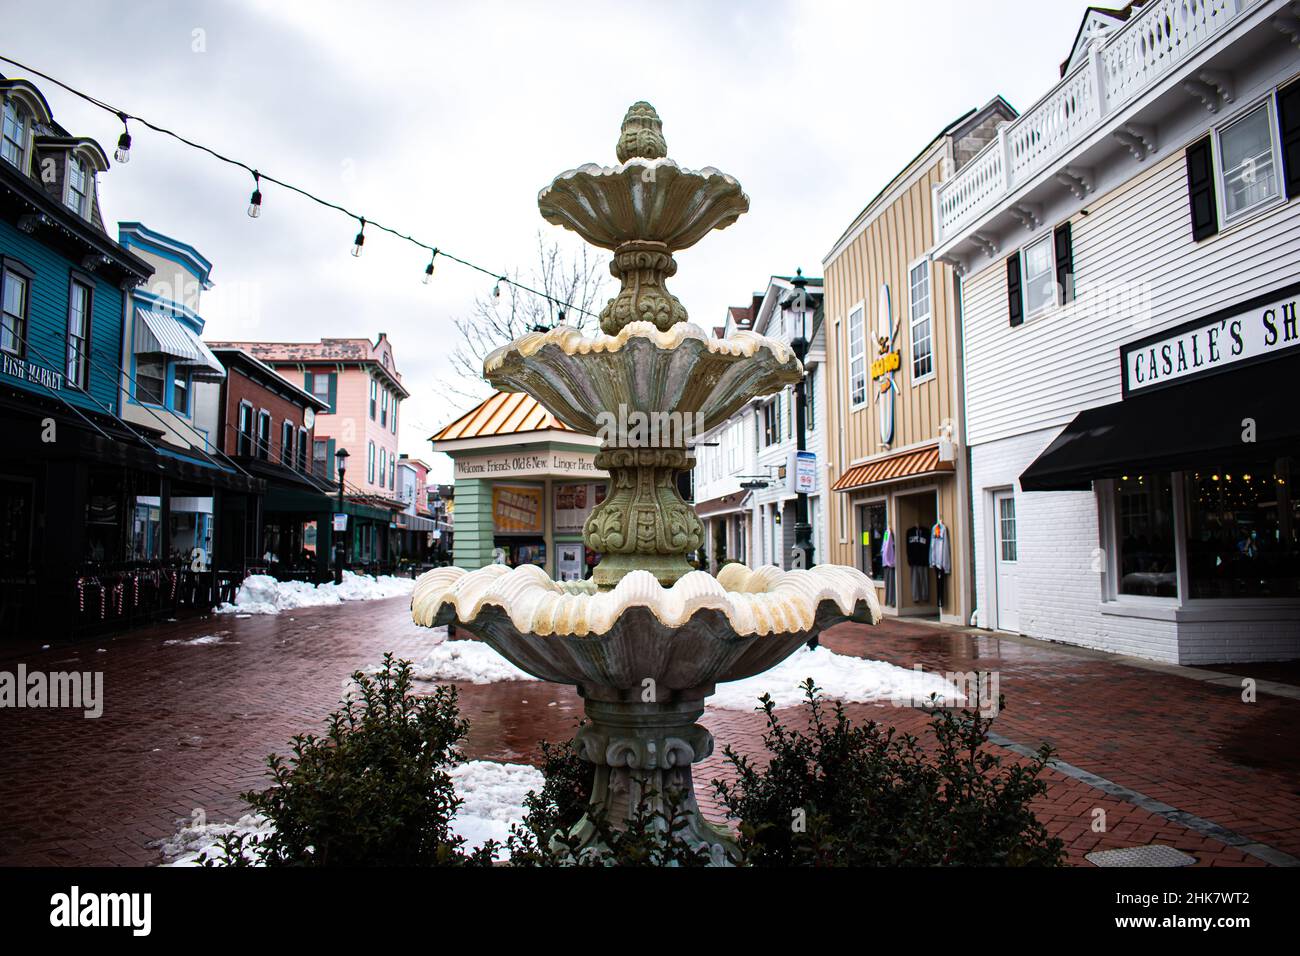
445, 119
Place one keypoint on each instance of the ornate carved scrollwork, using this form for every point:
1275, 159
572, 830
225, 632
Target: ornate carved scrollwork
643, 516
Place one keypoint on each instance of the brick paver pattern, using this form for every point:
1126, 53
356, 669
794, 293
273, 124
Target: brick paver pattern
189, 726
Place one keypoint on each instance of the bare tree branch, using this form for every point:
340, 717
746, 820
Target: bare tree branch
574, 283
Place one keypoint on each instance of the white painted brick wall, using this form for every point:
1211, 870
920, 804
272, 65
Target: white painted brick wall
1060, 596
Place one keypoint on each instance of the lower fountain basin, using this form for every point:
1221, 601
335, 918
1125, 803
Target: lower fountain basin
699, 632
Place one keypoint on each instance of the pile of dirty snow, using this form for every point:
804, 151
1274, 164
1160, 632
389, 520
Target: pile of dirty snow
471, 661
840, 676
493, 795
263, 594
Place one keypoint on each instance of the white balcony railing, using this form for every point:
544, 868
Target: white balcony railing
1130, 61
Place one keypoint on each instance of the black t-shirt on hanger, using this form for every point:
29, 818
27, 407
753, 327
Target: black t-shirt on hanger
918, 546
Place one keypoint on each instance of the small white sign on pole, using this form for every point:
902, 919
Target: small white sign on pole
803, 472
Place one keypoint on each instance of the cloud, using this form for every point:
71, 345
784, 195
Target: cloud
447, 119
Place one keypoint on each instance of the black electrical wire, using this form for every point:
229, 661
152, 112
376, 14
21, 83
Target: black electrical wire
126, 117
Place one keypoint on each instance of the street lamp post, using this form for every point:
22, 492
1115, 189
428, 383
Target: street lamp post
340, 539
798, 305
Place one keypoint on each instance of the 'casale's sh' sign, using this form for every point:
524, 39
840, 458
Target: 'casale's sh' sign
1254, 331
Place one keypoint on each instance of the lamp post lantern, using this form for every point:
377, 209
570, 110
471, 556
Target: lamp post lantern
340, 539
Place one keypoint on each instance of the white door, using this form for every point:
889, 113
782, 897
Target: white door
1005, 556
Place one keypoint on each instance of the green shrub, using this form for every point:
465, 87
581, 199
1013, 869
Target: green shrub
374, 791
845, 795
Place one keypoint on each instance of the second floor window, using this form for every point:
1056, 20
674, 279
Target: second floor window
319, 457
78, 186
922, 355
857, 358
394, 417
320, 387
383, 410
392, 474
374, 398
13, 145
370, 462
1039, 276
78, 333
302, 449
772, 422
1246, 154
13, 326
286, 443
150, 379
244, 435
181, 391
264, 435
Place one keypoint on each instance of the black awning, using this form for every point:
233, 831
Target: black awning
1203, 423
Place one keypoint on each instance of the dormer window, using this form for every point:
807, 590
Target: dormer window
78, 186
13, 145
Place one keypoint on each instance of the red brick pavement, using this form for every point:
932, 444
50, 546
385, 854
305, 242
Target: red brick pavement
189, 726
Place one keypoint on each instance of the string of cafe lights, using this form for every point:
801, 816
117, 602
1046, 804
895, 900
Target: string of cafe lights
123, 155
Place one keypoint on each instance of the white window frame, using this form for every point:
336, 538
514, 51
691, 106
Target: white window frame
82, 208
25, 116
860, 310
929, 317
1268, 102
1024, 277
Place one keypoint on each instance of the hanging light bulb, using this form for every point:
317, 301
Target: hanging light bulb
361, 238
255, 200
428, 270
561, 317
123, 152
496, 291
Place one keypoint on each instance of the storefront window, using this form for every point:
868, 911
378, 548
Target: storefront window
872, 519
1144, 506
146, 528
1243, 531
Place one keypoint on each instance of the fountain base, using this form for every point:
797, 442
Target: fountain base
642, 749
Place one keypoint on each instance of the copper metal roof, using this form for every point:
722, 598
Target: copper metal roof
504, 413
910, 464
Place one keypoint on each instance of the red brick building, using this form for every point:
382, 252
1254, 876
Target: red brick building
266, 424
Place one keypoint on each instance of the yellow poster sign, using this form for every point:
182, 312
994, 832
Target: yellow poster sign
516, 509
889, 362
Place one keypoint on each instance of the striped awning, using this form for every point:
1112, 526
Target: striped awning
156, 333
910, 464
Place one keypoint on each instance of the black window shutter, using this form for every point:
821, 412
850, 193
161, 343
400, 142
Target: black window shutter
1288, 120
1200, 190
1015, 302
1064, 261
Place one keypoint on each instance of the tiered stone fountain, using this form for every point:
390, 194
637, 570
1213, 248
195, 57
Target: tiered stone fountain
648, 638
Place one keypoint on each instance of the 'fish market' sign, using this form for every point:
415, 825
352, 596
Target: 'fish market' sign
36, 374
1265, 327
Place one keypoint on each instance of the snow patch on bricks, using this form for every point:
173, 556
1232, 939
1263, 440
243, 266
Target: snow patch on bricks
471, 661
493, 795
263, 594
840, 676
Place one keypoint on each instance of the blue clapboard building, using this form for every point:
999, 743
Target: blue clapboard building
87, 486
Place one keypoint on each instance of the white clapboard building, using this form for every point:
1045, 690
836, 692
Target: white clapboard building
1129, 249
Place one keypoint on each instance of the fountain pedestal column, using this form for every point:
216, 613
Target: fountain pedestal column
643, 523
642, 748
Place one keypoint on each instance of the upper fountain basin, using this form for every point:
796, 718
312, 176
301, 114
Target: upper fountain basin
652, 200
586, 381
698, 632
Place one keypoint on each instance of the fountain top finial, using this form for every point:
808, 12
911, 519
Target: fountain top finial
642, 135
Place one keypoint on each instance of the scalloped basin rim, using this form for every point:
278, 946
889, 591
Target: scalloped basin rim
744, 344
755, 603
